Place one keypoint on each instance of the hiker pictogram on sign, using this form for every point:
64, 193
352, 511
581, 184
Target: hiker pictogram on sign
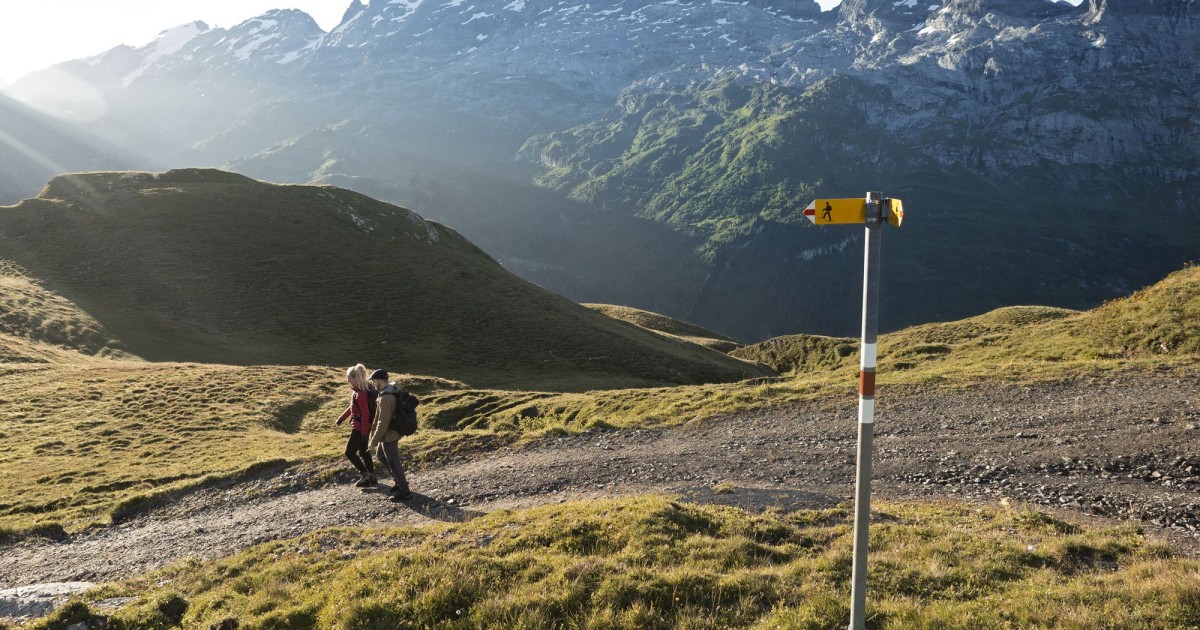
829, 211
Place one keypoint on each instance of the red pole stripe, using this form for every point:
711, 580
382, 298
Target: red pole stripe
866, 383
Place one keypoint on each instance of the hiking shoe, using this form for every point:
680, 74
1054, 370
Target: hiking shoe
397, 497
363, 481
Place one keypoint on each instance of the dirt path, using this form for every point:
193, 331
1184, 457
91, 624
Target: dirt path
1128, 447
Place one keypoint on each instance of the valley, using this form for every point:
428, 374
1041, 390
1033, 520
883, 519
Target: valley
1066, 434
574, 231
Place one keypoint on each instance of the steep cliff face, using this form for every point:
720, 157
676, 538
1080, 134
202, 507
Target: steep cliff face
656, 153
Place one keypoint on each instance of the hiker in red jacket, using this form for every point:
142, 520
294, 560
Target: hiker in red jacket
360, 425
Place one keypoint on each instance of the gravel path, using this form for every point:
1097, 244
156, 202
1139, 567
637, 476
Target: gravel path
1124, 447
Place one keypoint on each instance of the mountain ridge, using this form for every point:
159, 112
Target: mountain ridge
533, 126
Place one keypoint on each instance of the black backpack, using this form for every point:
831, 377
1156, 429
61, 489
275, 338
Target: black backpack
405, 422
372, 396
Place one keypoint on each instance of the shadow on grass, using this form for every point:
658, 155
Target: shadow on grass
288, 418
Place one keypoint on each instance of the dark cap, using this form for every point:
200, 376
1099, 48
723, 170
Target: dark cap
379, 375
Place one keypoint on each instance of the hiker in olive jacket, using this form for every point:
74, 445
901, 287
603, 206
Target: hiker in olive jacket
384, 436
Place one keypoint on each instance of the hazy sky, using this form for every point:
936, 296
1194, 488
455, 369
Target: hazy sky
38, 33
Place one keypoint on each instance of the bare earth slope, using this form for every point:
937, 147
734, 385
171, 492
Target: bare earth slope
1108, 447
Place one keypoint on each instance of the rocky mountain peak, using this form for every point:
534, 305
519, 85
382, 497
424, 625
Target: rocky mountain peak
1015, 8
1173, 9
356, 7
792, 8
914, 11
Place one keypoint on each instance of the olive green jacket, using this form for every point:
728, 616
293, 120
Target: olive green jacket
385, 415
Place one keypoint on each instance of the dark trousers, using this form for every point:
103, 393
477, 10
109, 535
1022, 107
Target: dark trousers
389, 455
358, 453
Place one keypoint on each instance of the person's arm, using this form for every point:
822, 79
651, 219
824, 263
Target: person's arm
345, 414
384, 410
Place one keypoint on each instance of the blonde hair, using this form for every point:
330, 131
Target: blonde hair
357, 376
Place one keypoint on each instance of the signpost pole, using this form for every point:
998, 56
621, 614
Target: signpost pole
866, 408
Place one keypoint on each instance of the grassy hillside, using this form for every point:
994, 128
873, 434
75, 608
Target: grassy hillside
668, 325
139, 415
801, 353
1161, 320
41, 326
656, 563
207, 266
1158, 326
90, 441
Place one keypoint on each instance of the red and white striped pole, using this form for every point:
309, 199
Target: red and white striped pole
866, 408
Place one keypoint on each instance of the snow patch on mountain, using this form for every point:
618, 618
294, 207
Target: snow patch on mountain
168, 43
409, 6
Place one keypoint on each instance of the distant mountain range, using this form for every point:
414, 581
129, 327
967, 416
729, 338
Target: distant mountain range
657, 153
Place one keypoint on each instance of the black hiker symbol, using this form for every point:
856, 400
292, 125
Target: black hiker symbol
826, 212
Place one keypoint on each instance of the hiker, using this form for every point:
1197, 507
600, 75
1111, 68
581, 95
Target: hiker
359, 412
384, 435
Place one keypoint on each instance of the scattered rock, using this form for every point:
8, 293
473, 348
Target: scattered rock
37, 600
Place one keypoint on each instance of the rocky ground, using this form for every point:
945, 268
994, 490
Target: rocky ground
1103, 449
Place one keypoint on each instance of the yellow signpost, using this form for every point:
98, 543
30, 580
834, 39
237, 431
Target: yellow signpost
874, 210
831, 211
895, 211
853, 210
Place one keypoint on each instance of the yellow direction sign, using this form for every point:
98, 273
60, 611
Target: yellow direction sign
853, 210
894, 211
830, 211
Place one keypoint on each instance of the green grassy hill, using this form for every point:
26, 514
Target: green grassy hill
667, 325
38, 325
1162, 320
208, 266
102, 403
1157, 326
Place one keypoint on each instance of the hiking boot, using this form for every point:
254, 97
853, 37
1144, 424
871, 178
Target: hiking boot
364, 480
397, 497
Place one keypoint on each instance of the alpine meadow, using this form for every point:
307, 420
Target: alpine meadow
760, 314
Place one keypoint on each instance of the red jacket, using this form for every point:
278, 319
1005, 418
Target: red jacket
359, 412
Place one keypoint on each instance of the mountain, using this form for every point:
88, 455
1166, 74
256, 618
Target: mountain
657, 153
35, 147
208, 266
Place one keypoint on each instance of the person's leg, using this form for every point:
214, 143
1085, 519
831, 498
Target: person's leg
356, 451
393, 461
384, 462
365, 452
352, 451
